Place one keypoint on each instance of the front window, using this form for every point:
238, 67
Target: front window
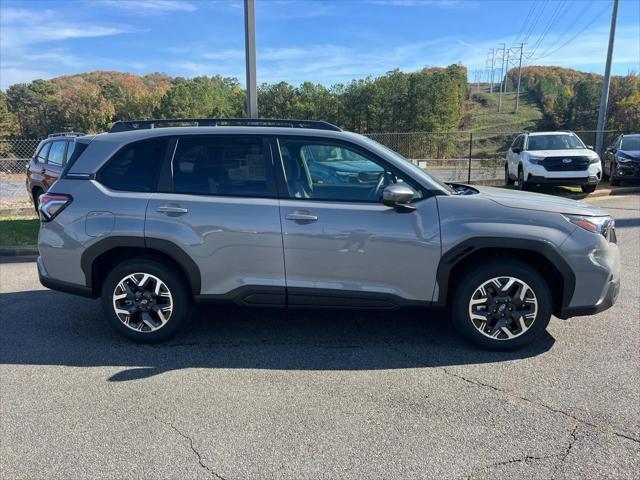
554, 142
321, 170
630, 143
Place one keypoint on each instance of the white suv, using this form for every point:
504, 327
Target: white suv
558, 158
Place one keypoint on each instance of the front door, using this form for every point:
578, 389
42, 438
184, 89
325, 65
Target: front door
219, 207
342, 246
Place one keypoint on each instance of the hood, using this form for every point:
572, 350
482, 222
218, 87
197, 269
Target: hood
573, 152
631, 153
538, 201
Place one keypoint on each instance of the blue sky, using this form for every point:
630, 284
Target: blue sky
325, 41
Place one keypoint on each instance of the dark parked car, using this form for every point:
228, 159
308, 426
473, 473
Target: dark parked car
622, 159
48, 162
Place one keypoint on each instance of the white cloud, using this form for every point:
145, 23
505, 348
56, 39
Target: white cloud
24, 35
151, 7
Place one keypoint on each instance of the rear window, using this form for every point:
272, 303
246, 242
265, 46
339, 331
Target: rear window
135, 167
232, 166
44, 151
56, 153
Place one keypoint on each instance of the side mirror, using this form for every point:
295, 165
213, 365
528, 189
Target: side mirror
399, 197
590, 147
516, 150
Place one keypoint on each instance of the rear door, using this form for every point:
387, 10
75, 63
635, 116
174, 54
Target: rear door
55, 162
342, 246
217, 203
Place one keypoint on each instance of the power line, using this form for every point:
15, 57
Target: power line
558, 13
535, 22
525, 21
546, 54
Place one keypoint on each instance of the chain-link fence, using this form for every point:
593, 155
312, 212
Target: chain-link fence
14, 157
451, 156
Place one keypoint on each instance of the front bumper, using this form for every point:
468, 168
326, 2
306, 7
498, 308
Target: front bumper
630, 170
606, 302
591, 180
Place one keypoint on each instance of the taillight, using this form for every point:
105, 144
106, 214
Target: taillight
51, 204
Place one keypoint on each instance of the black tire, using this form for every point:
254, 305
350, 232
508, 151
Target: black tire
182, 299
522, 183
484, 272
36, 196
507, 179
588, 188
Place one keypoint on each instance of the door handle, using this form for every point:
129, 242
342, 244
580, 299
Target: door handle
176, 209
42, 171
302, 217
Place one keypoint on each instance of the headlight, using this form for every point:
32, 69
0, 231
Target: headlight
593, 160
623, 157
601, 225
536, 160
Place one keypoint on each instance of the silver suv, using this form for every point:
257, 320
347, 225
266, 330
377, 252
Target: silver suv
285, 213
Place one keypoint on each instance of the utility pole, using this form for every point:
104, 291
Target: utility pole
493, 61
519, 77
506, 72
477, 80
604, 98
501, 74
250, 57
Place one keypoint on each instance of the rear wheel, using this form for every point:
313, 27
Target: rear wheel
502, 305
146, 300
588, 188
507, 179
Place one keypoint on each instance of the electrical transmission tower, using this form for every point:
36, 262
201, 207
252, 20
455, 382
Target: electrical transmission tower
521, 48
491, 61
503, 49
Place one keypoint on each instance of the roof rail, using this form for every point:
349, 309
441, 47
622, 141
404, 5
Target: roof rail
126, 125
65, 134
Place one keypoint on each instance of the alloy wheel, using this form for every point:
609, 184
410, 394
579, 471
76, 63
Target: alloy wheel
503, 308
142, 302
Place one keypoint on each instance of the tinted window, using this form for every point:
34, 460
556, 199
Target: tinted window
44, 151
234, 166
135, 167
325, 171
56, 153
554, 142
631, 142
70, 148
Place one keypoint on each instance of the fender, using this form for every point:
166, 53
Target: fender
166, 247
462, 250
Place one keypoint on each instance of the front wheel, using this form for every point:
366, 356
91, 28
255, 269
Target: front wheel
145, 300
522, 183
507, 179
588, 188
502, 305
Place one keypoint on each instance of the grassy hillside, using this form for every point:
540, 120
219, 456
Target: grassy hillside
482, 113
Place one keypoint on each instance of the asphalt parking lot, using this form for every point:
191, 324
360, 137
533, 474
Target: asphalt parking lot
316, 394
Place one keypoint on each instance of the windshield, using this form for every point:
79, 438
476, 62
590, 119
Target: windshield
630, 143
554, 142
417, 170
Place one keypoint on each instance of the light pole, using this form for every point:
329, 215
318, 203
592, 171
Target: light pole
604, 98
250, 57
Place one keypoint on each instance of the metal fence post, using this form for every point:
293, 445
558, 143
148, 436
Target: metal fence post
470, 149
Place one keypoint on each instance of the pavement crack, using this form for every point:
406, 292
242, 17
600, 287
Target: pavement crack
193, 449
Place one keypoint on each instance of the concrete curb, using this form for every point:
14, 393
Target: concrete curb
17, 211
19, 251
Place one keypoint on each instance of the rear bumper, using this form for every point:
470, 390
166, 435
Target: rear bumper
60, 285
606, 302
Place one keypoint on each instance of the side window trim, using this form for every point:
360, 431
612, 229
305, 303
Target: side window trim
284, 189
166, 179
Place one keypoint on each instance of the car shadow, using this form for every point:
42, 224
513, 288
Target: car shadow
44, 327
